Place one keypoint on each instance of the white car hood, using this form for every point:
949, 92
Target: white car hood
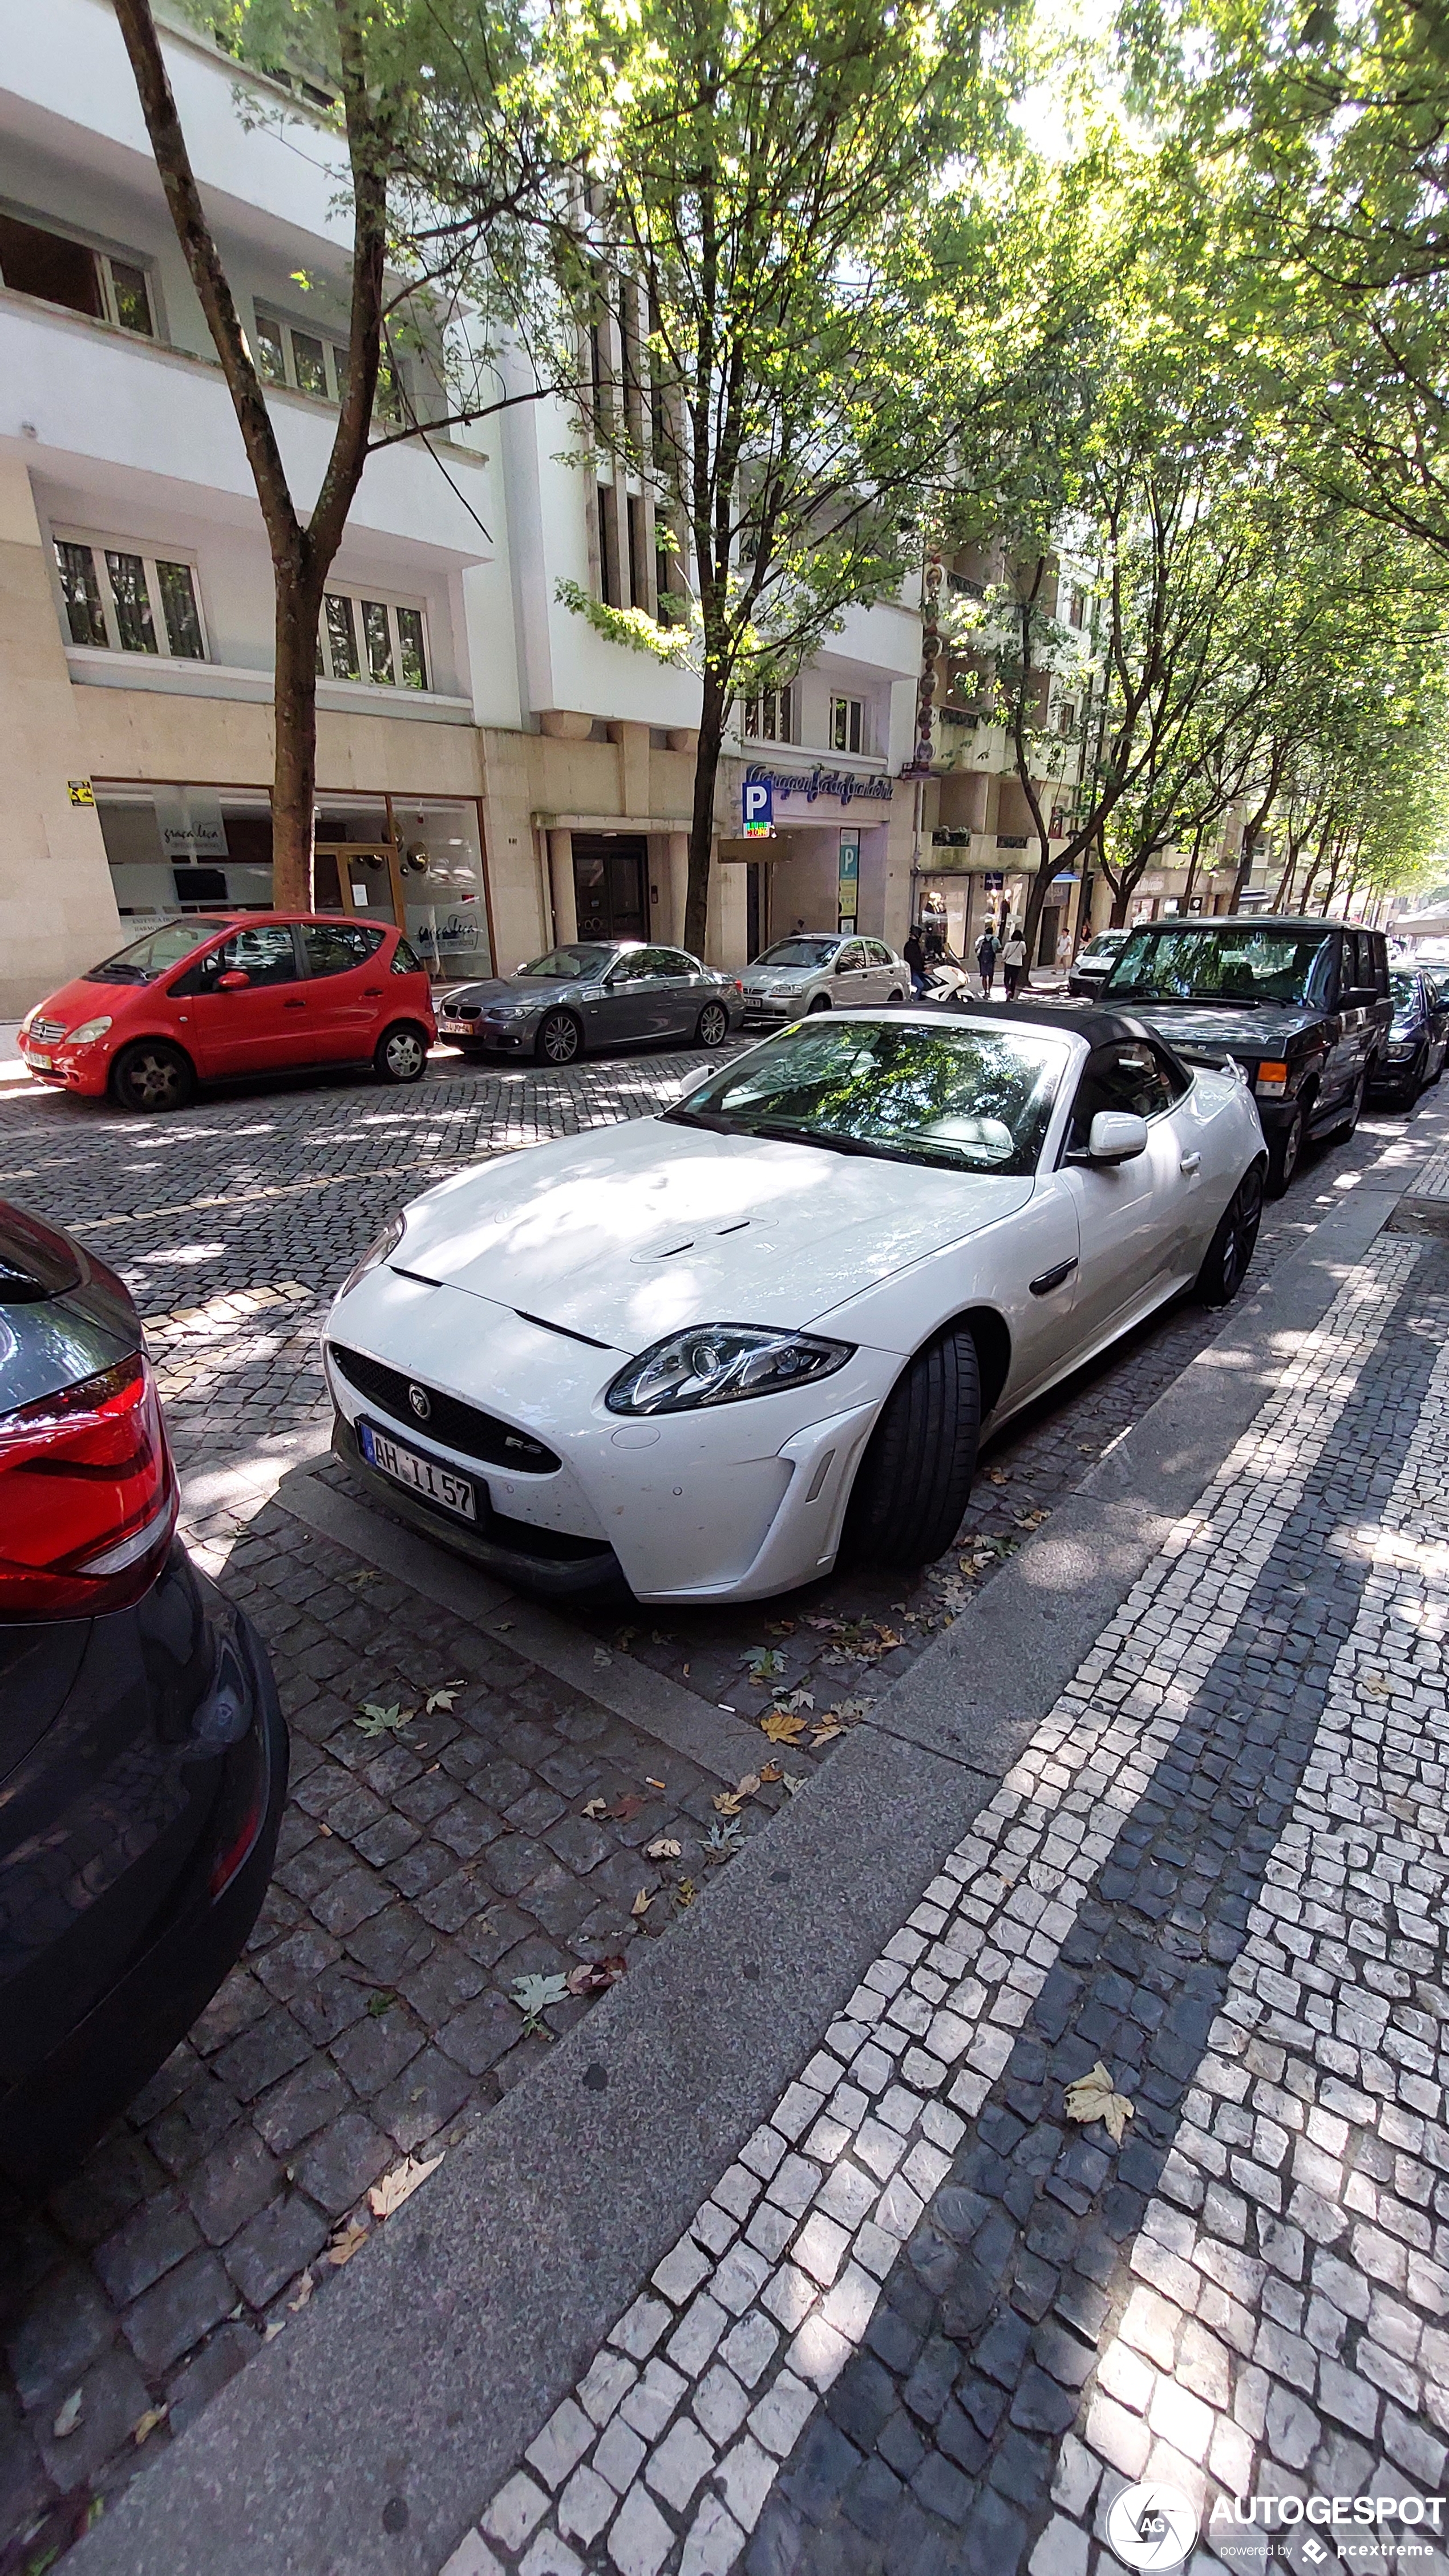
641, 1229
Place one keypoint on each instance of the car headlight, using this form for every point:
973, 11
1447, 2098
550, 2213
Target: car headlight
375, 1253
721, 1363
88, 1032
1399, 1049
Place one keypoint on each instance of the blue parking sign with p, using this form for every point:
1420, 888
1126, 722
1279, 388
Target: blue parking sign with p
759, 804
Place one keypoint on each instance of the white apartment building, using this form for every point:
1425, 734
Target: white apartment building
492, 772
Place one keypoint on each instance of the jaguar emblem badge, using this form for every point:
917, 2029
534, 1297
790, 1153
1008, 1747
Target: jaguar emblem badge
421, 1402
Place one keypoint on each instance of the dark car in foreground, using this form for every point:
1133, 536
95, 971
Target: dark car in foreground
1418, 1036
1304, 1007
1093, 964
591, 993
143, 1756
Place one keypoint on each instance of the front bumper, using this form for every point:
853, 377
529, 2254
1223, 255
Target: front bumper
737, 1503
85, 1070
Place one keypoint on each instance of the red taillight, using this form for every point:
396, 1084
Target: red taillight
224, 1868
87, 1496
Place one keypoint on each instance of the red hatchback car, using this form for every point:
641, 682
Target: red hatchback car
232, 996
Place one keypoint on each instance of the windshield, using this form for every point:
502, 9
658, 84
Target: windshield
1106, 944
1405, 990
1241, 967
147, 958
568, 964
799, 952
969, 1100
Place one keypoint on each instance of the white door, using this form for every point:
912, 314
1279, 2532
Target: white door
1134, 1218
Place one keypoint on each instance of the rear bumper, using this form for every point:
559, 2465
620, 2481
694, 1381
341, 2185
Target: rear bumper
53, 2114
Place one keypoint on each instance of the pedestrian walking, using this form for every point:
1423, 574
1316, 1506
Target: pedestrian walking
915, 957
1013, 960
986, 960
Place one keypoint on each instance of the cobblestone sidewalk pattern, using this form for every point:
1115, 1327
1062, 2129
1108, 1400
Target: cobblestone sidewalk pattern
923, 2323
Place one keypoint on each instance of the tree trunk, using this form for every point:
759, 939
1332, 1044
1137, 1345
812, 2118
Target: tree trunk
701, 827
294, 774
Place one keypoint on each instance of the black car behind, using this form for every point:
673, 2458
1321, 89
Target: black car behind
1414, 1054
1303, 1006
143, 1757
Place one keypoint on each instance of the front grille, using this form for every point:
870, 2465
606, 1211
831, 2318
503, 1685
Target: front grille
460, 1010
461, 1427
47, 1029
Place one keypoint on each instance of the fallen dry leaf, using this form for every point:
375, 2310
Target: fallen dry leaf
625, 1809
997, 1475
641, 1904
70, 2414
827, 1733
596, 1807
346, 2246
595, 1976
727, 1802
748, 1784
269, 2333
684, 1892
145, 2425
770, 1771
305, 2288
1094, 2097
602, 1655
663, 1849
783, 1726
399, 2185
443, 1696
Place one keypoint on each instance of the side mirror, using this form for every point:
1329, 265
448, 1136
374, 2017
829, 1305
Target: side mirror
1116, 1137
235, 980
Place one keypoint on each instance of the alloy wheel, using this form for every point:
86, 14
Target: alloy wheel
559, 1038
714, 1025
403, 1055
154, 1081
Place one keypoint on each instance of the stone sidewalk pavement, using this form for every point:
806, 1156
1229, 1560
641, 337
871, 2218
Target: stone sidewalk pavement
797, 2256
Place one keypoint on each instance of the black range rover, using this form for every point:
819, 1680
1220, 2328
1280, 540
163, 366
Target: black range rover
1304, 1006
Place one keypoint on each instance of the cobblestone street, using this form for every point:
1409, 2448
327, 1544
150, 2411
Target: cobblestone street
921, 2288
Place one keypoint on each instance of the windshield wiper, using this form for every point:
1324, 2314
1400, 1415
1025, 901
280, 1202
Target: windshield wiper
705, 1118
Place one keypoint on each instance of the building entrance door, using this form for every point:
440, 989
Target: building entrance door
358, 878
609, 884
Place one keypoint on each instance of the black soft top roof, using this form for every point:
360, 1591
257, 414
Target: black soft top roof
1098, 1027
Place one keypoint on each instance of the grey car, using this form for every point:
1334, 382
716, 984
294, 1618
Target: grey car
591, 993
1093, 964
823, 970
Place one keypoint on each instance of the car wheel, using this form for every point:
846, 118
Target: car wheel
152, 1075
401, 1054
911, 1487
820, 1003
1418, 1079
559, 1039
1284, 1149
1231, 1249
714, 1025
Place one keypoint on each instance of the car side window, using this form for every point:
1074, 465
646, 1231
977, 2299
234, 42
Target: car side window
405, 959
263, 952
335, 947
1126, 1076
877, 955
680, 964
850, 959
630, 967
1380, 950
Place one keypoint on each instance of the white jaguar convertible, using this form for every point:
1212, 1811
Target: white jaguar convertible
701, 1353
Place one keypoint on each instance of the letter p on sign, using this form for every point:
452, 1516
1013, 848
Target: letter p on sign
758, 797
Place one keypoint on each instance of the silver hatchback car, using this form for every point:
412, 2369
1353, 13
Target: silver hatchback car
821, 971
591, 993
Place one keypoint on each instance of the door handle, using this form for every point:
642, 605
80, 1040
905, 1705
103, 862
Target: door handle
372, 992
294, 1006
1190, 1163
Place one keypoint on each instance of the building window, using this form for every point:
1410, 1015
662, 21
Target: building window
608, 548
373, 640
1066, 718
1077, 609
305, 360
847, 724
59, 270
114, 599
771, 716
638, 577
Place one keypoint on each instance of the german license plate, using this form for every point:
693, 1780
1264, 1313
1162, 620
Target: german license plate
455, 1028
424, 1475
36, 1058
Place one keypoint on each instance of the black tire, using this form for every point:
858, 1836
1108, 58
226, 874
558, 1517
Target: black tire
1418, 1080
401, 1053
560, 1040
820, 1003
1285, 1148
911, 1486
714, 1025
152, 1076
1225, 1265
